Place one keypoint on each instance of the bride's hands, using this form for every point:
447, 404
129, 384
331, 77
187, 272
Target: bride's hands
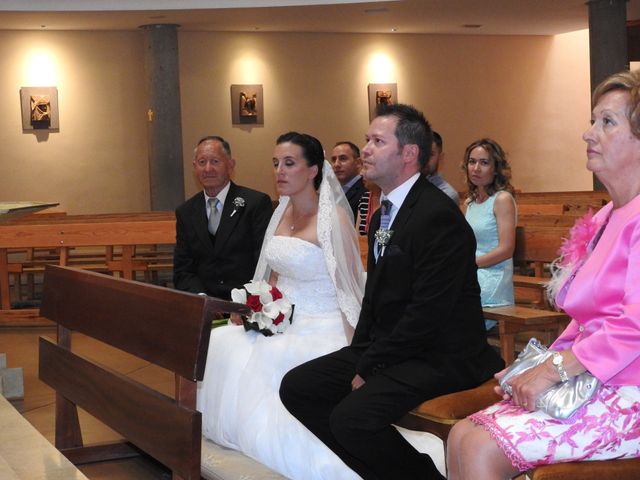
236, 319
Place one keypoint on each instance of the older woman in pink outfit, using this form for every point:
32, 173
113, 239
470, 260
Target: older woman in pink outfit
601, 292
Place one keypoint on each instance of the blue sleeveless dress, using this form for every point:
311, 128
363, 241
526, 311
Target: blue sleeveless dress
496, 281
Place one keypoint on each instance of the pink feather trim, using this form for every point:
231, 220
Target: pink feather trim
574, 248
572, 251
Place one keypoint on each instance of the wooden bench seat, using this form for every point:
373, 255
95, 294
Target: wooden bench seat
626, 469
221, 463
439, 415
513, 319
531, 290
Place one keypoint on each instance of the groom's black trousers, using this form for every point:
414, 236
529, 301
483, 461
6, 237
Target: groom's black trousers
356, 425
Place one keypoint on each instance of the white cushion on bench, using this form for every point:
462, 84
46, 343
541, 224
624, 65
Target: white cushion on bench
220, 463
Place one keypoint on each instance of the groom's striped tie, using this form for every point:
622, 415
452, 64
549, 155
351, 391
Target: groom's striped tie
385, 219
385, 214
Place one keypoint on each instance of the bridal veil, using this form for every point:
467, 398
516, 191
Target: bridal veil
338, 239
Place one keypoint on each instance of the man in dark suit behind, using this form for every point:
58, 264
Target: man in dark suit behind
420, 333
346, 163
219, 231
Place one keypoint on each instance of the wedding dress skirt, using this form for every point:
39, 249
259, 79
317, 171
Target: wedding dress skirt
239, 398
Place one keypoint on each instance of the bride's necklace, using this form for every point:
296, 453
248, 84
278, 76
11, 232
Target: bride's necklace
294, 220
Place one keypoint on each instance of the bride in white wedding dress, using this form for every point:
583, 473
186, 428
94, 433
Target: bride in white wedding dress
310, 253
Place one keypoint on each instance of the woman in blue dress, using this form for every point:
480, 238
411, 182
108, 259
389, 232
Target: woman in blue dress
491, 212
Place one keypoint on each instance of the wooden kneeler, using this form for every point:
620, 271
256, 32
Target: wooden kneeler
165, 327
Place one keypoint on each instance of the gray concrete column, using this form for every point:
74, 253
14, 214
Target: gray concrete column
162, 69
607, 43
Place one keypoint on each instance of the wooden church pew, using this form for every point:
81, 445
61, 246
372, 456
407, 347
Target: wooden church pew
168, 328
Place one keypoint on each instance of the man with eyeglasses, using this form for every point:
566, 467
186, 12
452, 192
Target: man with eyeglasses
219, 231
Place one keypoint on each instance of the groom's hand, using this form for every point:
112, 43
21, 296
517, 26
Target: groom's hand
357, 382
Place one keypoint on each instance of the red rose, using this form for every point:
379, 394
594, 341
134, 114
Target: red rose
275, 293
278, 319
253, 302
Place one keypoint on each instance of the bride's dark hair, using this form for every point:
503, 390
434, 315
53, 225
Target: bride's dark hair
312, 151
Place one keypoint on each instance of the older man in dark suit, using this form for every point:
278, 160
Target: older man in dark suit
219, 231
421, 331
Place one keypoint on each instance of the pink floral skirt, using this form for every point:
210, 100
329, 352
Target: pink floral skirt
606, 427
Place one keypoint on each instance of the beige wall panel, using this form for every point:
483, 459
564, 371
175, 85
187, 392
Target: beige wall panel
97, 162
529, 93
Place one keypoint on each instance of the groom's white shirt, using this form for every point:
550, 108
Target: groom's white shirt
396, 197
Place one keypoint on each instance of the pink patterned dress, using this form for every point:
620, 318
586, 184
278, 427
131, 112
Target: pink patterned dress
602, 296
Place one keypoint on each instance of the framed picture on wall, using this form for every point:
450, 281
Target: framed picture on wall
381, 93
39, 107
247, 105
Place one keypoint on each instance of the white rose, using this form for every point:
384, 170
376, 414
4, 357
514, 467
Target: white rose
284, 307
271, 309
239, 295
262, 320
261, 289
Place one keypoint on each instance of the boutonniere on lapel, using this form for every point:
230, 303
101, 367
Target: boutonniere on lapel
238, 203
383, 236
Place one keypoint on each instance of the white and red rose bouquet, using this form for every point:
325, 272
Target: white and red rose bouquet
272, 313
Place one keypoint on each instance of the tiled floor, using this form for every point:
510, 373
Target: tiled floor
21, 347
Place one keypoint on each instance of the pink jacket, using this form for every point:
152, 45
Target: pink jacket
604, 301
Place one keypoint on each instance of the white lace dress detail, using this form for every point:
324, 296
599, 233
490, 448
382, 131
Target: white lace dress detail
305, 284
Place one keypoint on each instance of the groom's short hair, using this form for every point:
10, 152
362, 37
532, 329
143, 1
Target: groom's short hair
412, 128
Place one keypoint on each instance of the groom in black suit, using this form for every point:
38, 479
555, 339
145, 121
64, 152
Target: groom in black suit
219, 231
421, 332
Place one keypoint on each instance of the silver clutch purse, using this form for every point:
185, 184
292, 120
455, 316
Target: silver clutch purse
564, 398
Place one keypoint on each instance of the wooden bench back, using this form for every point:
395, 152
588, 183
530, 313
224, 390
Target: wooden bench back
541, 209
165, 327
536, 243
52, 216
526, 220
78, 233
571, 204
566, 198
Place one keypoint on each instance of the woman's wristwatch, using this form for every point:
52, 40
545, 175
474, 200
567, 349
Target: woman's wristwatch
557, 361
